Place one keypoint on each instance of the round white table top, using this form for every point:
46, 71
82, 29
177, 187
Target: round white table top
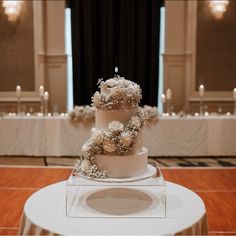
46, 209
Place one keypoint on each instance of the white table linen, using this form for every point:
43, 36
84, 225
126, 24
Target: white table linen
170, 136
45, 213
192, 136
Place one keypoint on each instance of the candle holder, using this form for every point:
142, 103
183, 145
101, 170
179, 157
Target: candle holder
168, 106
201, 111
18, 106
235, 107
41, 105
163, 108
45, 107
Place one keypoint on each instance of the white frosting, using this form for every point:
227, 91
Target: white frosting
123, 166
104, 117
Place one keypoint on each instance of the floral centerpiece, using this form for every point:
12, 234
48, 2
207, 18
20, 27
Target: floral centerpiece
82, 113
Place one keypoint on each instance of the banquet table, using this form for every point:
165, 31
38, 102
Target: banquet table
45, 213
170, 136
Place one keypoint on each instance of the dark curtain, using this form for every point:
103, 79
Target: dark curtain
109, 33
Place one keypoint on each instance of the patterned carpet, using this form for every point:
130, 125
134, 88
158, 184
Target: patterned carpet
163, 161
197, 162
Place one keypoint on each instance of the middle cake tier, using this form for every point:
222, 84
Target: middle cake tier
104, 117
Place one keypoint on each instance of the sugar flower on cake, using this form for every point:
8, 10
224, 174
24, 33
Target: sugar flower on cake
97, 137
97, 98
117, 93
111, 83
136, 91
103, 86
126, 138
115, 126
109, 145
86, 148
135, 122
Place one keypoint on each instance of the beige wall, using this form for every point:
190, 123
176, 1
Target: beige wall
40, 57
180, 61
216, 48
17, 50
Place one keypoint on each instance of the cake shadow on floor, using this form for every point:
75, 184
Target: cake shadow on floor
162, 161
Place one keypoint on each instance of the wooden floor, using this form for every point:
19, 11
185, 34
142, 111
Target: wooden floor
216, 186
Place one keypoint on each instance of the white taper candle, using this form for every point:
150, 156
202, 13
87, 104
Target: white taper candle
163, 98
41, 91
234, 94
201, 90
18, 91
168, 94
46, 96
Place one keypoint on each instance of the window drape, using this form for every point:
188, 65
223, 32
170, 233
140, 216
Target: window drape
110, 33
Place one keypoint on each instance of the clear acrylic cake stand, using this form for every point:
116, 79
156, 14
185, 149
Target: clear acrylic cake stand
135, 197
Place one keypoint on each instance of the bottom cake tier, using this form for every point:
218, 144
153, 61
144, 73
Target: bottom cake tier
123, 166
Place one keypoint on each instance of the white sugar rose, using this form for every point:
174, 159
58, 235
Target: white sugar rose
107, 135
85, 165
126, 138
117, 93
98, 137
109, 145
135, 122
103, 86
136, 91
97, 98
116, 126
121, 83
111, 83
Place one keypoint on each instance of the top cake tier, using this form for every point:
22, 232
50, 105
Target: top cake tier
117, 93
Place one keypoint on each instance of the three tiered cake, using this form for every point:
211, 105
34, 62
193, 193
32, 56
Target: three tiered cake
115, 148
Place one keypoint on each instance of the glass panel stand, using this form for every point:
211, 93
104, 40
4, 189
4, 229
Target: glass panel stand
135, 198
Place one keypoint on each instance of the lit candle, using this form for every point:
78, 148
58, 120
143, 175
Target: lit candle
41, 91
168, 94
201, 90
234, 94
18, 91
46, 96
163, 98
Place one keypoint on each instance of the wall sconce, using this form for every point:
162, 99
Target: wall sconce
218, 7
12, 8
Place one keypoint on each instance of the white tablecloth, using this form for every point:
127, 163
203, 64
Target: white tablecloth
44, 213
57, 136
192, 136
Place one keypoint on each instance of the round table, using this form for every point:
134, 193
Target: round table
45, 213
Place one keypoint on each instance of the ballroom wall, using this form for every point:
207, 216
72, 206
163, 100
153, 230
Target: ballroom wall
190, 27
34, 45
17, 50
49, 59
